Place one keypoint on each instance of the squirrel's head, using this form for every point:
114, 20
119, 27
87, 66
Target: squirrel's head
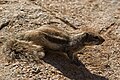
92, 39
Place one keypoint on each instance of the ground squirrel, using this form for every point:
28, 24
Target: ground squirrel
36, 42
54, 39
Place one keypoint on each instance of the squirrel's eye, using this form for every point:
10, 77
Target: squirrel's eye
96, 37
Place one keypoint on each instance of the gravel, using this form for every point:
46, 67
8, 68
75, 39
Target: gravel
100, 16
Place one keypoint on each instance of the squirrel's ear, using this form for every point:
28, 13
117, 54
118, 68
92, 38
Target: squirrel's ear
85, 34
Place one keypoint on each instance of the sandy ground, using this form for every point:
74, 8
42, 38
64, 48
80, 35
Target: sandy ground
100, 16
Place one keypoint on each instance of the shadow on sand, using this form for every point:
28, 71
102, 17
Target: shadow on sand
69, 70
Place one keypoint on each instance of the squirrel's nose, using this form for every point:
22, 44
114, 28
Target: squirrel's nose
103, 40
